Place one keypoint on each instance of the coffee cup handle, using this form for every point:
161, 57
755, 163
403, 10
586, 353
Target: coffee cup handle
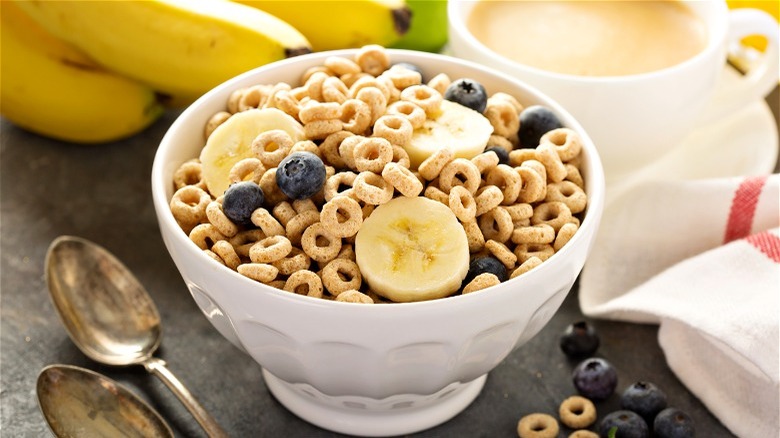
762, 77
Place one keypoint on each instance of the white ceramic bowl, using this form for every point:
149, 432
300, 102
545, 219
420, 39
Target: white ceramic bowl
361, 369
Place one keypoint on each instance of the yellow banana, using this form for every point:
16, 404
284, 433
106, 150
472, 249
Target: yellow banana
179, 47
332, 25
53, 89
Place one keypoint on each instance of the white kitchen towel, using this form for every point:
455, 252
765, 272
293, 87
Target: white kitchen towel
702, 259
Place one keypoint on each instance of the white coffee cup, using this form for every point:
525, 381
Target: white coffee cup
636, 119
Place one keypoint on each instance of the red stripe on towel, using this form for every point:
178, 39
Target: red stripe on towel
743, 208
767, 243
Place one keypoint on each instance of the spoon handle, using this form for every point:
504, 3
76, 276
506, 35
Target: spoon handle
157, 367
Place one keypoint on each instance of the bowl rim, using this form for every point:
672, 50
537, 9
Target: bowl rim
594, 178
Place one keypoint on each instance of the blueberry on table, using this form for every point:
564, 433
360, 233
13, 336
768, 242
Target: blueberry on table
241, 199
468, 93
300, 175
627, 424
644, 398
595, 378
503, 155
673, 423
535, 121
481, 265
579, 340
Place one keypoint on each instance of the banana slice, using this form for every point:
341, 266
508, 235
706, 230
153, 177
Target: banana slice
412, 249
463, 130
231, 142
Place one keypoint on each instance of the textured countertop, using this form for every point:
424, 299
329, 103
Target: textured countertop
102, 193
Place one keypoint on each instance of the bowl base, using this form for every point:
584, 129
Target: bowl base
397, 415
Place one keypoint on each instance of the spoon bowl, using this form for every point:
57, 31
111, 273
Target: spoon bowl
77, 402
110, 316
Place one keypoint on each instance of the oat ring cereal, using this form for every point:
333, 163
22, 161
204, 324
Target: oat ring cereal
402, 179
533, 186
333, 90
565, 141
485, 162
243, 240
496, 224
554, 213
225, 251
287, 102
537, 234
342, 216
317, 68
372, 59
355, 116
262, 272
329, 148
502, 253
403, 77
423, 96
503, 116
568, 193
401, 157
341, 275
247, 169
283, 212
334, 184
270, 249
341, 66
206, 235
538, 426
474, 236
314, 83
564, 235
548, 156
440, 82
189, 174
272, 146
432, 166
253, 97
304, 282
306, 146
527, 265
372, 188
372, 154
481, 281
577, 412
506, 179
413, 113
313, 111
299, 223
354, 296
217, 217
295, 261
188, 206
525, 251
320, 244
395, 128
215, 120
460, 172
347, 150
375, 99
433, 192
462, 203
488, 198
265, 221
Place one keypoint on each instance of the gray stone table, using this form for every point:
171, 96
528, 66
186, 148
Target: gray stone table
102, 193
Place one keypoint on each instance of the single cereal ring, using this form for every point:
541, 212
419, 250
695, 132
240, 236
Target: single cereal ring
300, 93
266, 222
297, 260
375, 99
314, 83
369, 81
355, 116
234, 99
525, 251
535, 234
481, 281
283, 212
565, 141
225, 251
573, 175
306, 146
205, 236
568, 193
538, 426
372, 154
548, 156
402, 179
474, 236
403, 77
395, 128
217, 217
425, 97
272, 146
485, 161
329, 148
333, 90
440, 82
413, 113
503, 116
243, 240
526, 266
488, 198
506, 179
347, 150
462, 203
366, 210
301, 205
502, 142
286, 101
188, 205
394, 94
502, 253
189, 174
334, 184
519, 211
299, 223
341, 66
314, 111
320, 244
304, 282
496, 224
347, 252
261, 272
273, 94
215, 120
349, 79
212, 255
519, 156
577, 412
248, 169
320, 129
342, 216
433, 192
270, 249
372, 188
504, 97
533, 188
401, 157
431, 167
372, 59
354, 296
553, 213
460, 172
254, 97
273, 194
583, 433
564, 235
311, 70
341, 275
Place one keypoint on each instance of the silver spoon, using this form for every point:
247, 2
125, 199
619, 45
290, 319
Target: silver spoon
110, 316
77, 402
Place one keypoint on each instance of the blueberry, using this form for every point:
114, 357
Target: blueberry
673, 423
644, 398
468, 93
483, 264
579, 340
535, 121
409, 66
628, 425
503, 155
595, 378
300, 175
241, 199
